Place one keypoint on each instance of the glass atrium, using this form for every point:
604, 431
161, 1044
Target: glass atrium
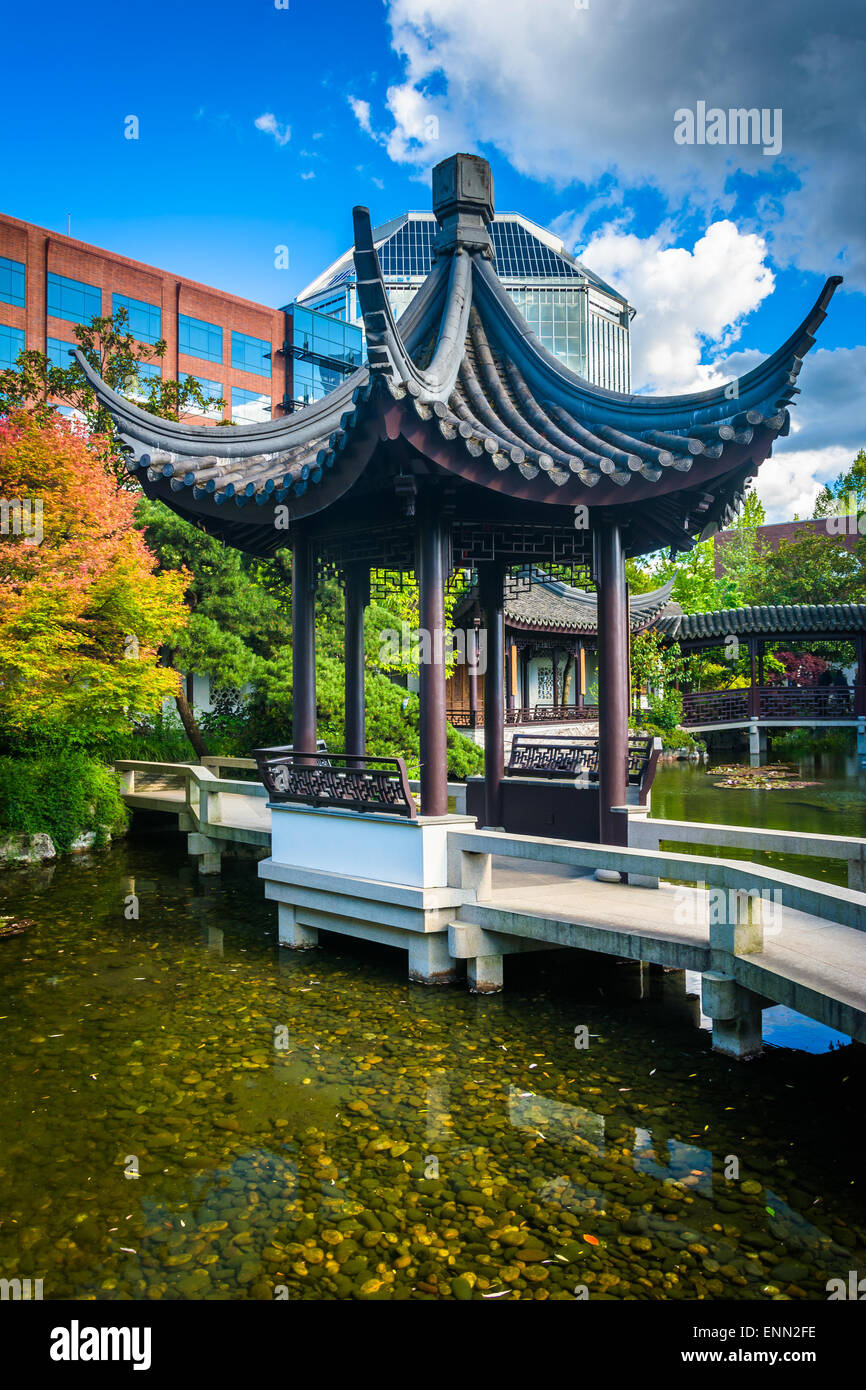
577, 316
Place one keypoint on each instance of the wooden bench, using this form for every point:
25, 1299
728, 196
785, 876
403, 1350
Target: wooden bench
570, 757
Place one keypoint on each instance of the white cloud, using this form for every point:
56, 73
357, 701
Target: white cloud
789, 482
362, 113
271, 126
308, 175
696, 303
570, 94
688, 302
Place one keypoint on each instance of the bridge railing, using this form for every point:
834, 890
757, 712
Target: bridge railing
647, 833
470, 868
203, 780
772, 702
202, 791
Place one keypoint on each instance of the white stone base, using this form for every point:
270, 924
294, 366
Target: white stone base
378, 878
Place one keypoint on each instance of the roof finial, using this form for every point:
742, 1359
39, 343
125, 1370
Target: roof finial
463, 204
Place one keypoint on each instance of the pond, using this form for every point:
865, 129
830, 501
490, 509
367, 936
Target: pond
834, 804
190, 1112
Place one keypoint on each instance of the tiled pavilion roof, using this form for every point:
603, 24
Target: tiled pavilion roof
552, 606
766, 620
467, 387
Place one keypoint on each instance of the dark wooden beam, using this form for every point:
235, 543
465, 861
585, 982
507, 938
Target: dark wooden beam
491, 587
472, 663
613, 683
430, 537
357, 597
303, 646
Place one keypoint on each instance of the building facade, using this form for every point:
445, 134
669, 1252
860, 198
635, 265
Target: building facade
577, 316
235, 348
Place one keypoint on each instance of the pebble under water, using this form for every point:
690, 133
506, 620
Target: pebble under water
308, 1125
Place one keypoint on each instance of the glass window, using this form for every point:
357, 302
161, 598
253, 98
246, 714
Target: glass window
11, 343
197, 338
57, 350
210, 388
145, 320
251, 354
248, 407
73, 299
11, 281
138, 390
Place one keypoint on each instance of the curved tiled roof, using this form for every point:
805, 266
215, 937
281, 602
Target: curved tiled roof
466, 384
778, 619
554, 606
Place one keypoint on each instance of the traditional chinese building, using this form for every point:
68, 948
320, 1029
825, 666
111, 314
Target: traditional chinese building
551, 650
464, 443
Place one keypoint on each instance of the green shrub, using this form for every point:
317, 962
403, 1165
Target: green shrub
672, 739
61, 795
806, 743
665, 711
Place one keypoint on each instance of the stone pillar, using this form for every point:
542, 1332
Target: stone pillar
736, 1015
613, 683
206, 852
303, 647
430, 961
484, 974
491, 579
291, 932
357, 598
430, 536
757, 745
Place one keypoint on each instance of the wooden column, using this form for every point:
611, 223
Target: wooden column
524, 679
753, 680
510, 682
430, 538
860, 688
357, 598
613, 683
472, 664
303, 647
579, 673
491, 581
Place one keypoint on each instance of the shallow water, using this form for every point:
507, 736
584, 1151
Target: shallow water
392, 1141
835, 805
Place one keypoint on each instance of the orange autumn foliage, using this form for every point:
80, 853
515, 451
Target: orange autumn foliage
82, 610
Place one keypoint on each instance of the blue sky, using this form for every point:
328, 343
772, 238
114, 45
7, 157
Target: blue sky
721, 249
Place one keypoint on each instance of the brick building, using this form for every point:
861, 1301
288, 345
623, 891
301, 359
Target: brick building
770, 537
234, 347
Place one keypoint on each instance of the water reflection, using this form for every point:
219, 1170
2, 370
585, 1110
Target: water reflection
396, 1142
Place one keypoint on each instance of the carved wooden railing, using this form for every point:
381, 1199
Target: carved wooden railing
534, 714
465, 719
565, 714
342, 781
574, 757
808, 702
715, 706
772, 702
